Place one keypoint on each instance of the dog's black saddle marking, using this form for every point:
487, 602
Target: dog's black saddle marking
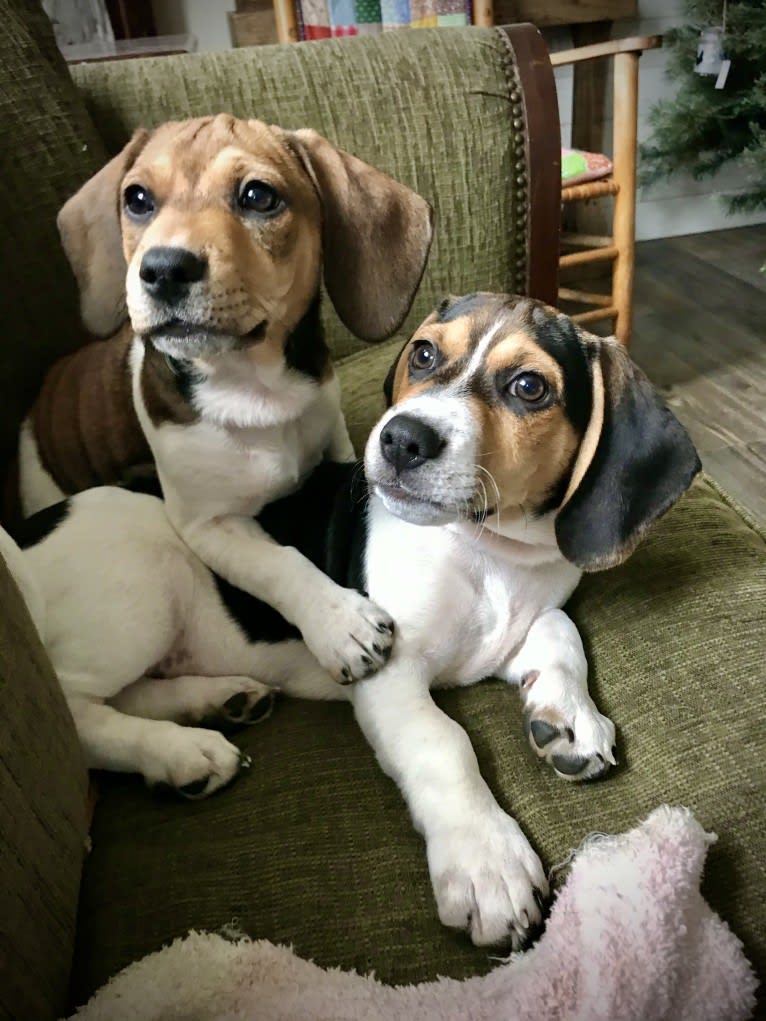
326, 520
40, 525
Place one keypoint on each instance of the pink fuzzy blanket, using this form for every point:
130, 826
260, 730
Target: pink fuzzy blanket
629, 937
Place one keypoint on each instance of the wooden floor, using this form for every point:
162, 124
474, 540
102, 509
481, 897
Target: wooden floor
700, 335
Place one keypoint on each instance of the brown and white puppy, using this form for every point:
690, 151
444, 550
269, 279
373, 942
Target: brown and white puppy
518, 451
212, 236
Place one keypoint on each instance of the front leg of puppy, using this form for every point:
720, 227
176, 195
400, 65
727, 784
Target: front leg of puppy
193, 761
224, 703
350, 636
561, 720
485, 875
340, 447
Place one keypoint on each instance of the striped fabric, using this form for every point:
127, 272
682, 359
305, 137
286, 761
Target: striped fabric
321, 19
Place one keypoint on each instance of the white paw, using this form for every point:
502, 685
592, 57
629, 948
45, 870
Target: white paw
488, 881
192, 761
570, 734
349, 634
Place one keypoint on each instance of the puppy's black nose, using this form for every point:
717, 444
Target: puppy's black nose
406, 442
168, 273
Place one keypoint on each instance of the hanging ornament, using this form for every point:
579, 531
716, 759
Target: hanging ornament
711, 54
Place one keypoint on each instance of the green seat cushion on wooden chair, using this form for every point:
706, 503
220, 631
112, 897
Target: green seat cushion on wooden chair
313, 845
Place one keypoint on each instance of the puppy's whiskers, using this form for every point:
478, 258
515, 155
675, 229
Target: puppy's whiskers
480, 518
365, 489
496, 489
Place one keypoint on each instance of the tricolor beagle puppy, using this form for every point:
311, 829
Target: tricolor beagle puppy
517, 452
212, 236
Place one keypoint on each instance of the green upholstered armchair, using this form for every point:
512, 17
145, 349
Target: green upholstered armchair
313, 846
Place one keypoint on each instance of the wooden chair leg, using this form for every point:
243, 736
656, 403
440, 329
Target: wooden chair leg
483, 13
287, 21
624, 225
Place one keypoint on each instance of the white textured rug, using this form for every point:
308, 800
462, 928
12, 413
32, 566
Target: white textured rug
629, 937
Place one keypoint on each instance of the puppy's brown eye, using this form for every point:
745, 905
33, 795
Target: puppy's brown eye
259, 197
529, 386
139, 202
423, 356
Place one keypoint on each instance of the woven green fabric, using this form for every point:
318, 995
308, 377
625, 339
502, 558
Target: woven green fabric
313, 845
430, 108
42, 808
48, 147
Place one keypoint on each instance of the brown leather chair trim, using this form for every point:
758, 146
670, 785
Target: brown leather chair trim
542, 133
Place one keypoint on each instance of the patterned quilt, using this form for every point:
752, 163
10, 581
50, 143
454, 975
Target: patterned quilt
320, 19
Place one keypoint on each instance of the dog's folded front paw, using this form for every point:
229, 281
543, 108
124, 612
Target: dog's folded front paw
488, 881
574, 738
192, 762
350, 635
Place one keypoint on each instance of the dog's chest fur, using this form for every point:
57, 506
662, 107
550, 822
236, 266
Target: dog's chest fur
458, 602
213, 466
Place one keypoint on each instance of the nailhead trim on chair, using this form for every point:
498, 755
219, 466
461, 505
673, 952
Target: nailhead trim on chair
519, 194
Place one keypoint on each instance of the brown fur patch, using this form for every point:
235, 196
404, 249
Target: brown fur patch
163, 391
522, 350
84, 421
526, 456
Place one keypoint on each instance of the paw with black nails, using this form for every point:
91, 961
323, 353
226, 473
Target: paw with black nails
192, 762
349, 634
576, 740
488, 880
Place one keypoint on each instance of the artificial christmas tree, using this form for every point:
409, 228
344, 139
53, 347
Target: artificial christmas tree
703, 127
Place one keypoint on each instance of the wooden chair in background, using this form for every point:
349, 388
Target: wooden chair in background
618, 247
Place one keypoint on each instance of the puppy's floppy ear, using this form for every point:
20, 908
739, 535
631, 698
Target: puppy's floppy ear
635, 461
89, 225
376, 234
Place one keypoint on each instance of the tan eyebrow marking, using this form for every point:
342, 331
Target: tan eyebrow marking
521, 348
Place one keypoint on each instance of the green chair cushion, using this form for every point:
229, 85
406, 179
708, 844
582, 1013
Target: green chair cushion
43, 785
49, 146
313, 846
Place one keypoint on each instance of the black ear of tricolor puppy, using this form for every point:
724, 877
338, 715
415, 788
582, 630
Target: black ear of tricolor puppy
635, 461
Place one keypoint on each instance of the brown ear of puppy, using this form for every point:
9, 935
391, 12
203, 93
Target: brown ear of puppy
89, 226
376, 235
635, 461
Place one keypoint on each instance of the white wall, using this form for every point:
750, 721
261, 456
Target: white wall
680, 205
205, 19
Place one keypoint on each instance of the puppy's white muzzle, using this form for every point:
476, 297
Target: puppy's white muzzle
421, 459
